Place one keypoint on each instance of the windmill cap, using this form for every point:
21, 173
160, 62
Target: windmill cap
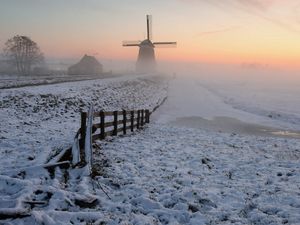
147, 43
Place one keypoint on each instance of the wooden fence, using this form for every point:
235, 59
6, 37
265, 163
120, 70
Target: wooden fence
106, 124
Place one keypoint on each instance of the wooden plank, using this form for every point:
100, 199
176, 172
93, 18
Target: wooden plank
108, 113
119, 130
64, 155
129, 128
64, 164
112, 132
120, 122
111, 113
108, 133
129, 120
109, 124
134, 111
97, 125
96, 137
15, 213
96, 114
31, 202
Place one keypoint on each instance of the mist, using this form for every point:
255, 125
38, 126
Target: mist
260, 90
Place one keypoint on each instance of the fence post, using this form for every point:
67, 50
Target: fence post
82, 130
142, 118
147, 116
132, 121
124, 122
138, 119
102, 125
115, 132
88, 149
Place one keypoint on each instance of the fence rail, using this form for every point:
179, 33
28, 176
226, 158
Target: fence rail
99, 125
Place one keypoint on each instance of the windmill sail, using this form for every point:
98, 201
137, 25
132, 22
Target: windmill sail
131, 43
149, 27
165, 44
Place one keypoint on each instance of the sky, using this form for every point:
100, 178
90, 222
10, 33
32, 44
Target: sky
265, 32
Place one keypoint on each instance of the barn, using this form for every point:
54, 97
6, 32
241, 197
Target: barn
88, 65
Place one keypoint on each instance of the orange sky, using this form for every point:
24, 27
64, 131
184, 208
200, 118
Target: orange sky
228, 31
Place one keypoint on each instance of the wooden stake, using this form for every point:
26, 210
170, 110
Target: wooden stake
124, 121
138, 119
115, 132
82, 130
142, 118
102, 125
147, 116
132, 121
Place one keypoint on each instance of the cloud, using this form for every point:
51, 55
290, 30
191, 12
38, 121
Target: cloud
257, 4
248, 4
257, 8
296, 13
228, 29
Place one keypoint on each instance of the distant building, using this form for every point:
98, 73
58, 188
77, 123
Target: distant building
88, 65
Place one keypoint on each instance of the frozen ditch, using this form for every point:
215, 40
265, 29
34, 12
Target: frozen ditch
232, 125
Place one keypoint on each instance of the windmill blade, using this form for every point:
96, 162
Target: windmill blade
149, 27
166, 44
131, 43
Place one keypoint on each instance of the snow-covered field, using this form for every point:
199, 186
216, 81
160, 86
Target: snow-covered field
168, 173
36, 121
14, 81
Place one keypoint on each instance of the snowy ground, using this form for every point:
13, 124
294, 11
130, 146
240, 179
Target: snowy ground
14, 81
172, 173
36, 121
167, 175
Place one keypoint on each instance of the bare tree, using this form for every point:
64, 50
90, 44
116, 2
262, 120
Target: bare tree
23, 53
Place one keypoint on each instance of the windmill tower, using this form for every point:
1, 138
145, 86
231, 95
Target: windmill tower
146, 58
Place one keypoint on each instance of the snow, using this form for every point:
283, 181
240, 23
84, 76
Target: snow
42, 120
13, 81
176, 175
167, 173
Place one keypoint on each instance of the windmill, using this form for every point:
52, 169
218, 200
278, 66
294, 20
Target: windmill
146, 58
